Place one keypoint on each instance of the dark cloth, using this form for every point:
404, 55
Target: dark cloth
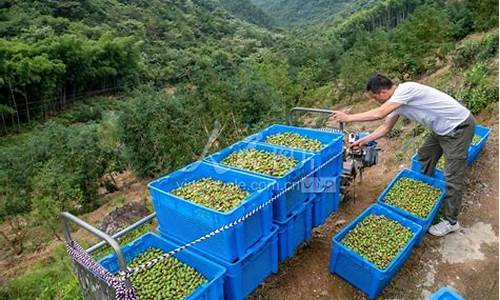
455, 147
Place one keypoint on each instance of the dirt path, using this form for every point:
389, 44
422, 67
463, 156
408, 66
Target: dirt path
466, 260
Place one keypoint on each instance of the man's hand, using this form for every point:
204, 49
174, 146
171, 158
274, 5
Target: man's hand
358, 144
339, 116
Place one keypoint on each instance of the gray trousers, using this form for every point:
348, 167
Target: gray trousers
455, 146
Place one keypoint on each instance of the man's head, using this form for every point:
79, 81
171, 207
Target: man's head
380, 88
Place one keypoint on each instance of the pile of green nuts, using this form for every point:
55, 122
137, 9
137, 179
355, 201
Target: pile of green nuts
378, 239
294, 140
212, 193
261, 161
168, 279
416, 197
441, 163
476, 139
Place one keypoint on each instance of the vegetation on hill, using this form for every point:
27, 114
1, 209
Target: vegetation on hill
248, 11
302, 12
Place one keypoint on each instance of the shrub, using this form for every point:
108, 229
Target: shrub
478, 90
473, 51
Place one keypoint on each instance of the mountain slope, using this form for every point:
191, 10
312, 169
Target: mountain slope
300, 12
246, 10
60, 49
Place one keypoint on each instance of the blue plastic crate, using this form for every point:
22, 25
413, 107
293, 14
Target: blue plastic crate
474, 150
416, 166
245, 275
287, 203
328, 176
333, 142
356, 269
333, 145
445, 293
211, 290
187, 221
323, 205
424, 222
294, 231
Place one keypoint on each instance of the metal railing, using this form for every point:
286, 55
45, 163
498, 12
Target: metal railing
311, 110
92, 285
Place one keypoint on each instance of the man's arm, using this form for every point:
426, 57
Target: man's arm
378, 133
372, 115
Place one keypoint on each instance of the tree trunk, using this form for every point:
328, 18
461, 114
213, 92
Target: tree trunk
15, 106
25, 95
4, 126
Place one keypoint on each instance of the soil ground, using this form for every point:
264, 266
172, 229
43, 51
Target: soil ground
466, 260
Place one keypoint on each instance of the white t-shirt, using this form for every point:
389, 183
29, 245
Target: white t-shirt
429, 107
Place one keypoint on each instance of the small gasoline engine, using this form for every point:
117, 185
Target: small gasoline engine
355, 160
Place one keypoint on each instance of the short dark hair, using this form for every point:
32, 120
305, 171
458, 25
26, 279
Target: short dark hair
378, 82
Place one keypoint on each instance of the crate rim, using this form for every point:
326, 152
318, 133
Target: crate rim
367, 212
381, 197
299, 165
251, 196
336, 139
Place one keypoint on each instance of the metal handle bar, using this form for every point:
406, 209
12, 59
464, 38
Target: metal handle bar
66, 216
311, 110
122, 232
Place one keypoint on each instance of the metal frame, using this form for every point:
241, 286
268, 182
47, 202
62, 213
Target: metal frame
106, 239
67, 217
122, 232
93, 287
311, 110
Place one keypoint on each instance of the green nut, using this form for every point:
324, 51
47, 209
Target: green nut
476, 139
212, 193
441, 163
293, 140
168, 279
261, 161
413, 196
378, 239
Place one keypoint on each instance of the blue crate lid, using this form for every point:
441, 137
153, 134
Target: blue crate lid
255, 185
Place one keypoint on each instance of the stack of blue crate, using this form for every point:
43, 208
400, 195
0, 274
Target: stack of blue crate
248, 251
251, 250
317, 197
